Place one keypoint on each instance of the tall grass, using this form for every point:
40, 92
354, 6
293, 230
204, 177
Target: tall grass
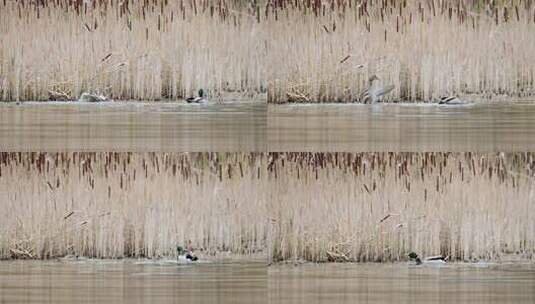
317, 207
325, 51
130, 49
379, 207
140, 205
297, 51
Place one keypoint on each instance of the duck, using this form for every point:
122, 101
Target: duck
184, 255
432, 260
198, 99
450, 100
88, 97
375, 91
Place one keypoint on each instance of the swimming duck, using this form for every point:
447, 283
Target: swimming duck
450, 100
432, 260
88, 97
375, 91
185, 255
198, 99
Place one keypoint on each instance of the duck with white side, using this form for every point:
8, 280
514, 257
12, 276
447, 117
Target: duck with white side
451, 100
432, 260
200, 98
185, 255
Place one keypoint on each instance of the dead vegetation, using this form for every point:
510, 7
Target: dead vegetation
290, 206
295, 51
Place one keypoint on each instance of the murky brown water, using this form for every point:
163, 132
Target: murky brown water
108, 281
238, 127
396, 127
256, 127
132, 126
398, 283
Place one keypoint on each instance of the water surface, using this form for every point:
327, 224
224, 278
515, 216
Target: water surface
254, 126
131, 281
399, 283
132, 126
402, 127
108, 281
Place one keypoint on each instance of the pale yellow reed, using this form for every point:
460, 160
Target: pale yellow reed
317, 207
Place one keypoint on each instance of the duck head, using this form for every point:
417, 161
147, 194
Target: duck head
414, 258
201, 93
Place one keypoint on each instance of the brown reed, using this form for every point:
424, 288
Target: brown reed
296, 51
325, 51
126, 49
377, 207
317, 207
110, 205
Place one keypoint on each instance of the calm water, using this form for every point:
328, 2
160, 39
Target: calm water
339, 283
391, 127
131, 282
166, 282
132, 126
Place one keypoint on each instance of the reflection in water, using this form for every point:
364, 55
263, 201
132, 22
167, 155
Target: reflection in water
129, 282
398, 283
397, 127
133, 126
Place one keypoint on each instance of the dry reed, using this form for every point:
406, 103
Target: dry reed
297, 51
129, 49
378, 207
325, 51
317, 207
109, 205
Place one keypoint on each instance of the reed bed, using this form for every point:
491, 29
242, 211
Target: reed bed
287, 206
124, 49
109, 205
325, 51
295, 51
378, 207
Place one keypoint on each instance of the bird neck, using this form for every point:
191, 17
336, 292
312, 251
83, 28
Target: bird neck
373, 83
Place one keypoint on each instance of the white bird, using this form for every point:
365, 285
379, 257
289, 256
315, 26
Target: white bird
375, 91
451, 100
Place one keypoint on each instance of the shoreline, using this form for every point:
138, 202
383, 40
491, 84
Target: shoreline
222, 258
263, 99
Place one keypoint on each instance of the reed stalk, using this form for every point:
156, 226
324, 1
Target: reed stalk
295, 51
325, 51
144, 50
289, 206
